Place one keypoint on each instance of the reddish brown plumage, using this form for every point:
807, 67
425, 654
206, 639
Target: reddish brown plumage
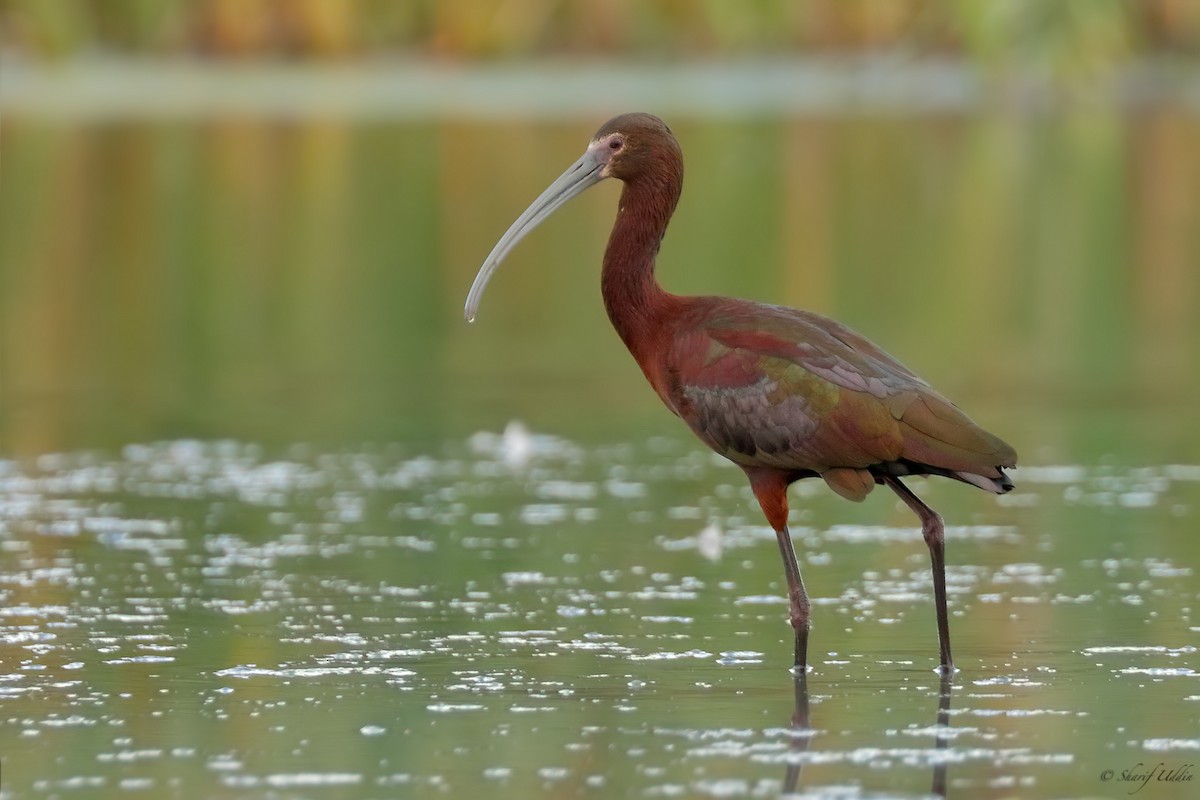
826, 398
785, 394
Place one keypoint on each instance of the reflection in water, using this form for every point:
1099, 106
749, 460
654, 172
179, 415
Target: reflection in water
802, 733
943, 727
246, 279
179, 615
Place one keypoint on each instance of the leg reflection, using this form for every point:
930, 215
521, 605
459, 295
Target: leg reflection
801, 732
943, 728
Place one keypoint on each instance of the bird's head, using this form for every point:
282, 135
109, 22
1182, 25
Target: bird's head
635, 145
628, 148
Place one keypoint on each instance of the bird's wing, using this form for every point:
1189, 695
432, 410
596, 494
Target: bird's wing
771, 386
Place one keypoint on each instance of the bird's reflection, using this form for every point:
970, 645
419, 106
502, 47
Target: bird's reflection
802, 733
942, 735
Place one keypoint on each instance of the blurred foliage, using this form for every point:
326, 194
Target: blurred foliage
1028, 32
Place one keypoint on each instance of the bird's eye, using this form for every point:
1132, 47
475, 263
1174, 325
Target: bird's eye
615, 144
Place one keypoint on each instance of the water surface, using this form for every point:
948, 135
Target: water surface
530, 616
264, 533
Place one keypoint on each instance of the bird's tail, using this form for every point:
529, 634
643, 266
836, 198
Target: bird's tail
998, 485
995, 485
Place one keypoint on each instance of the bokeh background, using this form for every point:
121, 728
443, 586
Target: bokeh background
261, 534
258, 219
1098, 34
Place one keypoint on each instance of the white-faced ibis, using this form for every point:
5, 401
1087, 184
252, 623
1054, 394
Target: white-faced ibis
784, 394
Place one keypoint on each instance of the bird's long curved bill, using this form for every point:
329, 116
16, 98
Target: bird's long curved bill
579, 176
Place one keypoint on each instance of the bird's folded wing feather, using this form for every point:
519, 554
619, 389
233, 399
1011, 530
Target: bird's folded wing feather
789, 389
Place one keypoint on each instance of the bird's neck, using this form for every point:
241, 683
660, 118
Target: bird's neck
636, 304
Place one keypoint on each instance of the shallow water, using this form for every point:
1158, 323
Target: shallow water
522, 615
255, 544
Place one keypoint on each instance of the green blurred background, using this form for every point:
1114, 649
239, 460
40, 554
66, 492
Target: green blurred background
1093, 32
1001, 194
257, 221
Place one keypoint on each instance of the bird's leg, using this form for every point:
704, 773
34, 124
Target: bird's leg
935, 537
797, 597
770, 487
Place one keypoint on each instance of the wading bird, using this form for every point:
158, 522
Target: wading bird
782, 393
